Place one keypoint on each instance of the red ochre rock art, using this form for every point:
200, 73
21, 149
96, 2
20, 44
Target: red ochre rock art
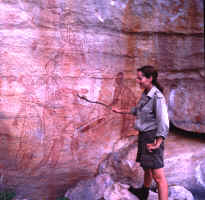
65, 64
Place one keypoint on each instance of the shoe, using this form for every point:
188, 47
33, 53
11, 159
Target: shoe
142, 193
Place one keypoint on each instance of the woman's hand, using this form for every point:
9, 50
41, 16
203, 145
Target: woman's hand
152, 146
114, 109
155, 145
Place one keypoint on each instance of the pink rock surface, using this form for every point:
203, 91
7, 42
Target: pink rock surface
53, 51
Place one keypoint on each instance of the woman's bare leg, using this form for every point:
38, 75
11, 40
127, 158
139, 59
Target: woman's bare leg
147, 177
159, 177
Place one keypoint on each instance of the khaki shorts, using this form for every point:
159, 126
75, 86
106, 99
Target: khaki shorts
149, 160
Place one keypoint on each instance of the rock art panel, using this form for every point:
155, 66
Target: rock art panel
65, 64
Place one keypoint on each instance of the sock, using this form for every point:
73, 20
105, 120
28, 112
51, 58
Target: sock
142, 193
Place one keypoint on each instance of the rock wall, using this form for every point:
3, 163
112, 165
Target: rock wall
65, 63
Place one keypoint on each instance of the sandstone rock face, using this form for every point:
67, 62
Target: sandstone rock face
65, 63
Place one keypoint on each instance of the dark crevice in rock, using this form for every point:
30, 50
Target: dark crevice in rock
184, 71
168, 34
188, 134
143, 33
149, 33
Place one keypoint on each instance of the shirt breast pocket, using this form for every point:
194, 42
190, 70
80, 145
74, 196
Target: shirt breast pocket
147, 114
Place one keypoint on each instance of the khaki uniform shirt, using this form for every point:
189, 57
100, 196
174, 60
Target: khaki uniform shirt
151, 113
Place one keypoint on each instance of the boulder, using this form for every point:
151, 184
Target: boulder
119, 192
92, 189
180, 193
185, 97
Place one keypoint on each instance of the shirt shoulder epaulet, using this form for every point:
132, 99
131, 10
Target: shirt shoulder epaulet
158, 94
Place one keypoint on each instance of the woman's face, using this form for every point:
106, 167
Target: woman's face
145, 83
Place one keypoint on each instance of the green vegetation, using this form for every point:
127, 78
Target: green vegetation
7, 194
62, 198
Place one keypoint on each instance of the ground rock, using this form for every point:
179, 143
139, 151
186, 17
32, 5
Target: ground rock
180, 193
92, 189
119, 192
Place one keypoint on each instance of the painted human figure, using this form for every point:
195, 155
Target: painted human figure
29, 123
123, 99
52, 140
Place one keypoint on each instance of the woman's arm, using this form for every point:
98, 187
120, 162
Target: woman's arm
123, 111
162, 120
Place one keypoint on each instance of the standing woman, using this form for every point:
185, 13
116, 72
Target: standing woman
152, 122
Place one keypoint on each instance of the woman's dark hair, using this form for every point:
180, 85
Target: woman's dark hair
149, 71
